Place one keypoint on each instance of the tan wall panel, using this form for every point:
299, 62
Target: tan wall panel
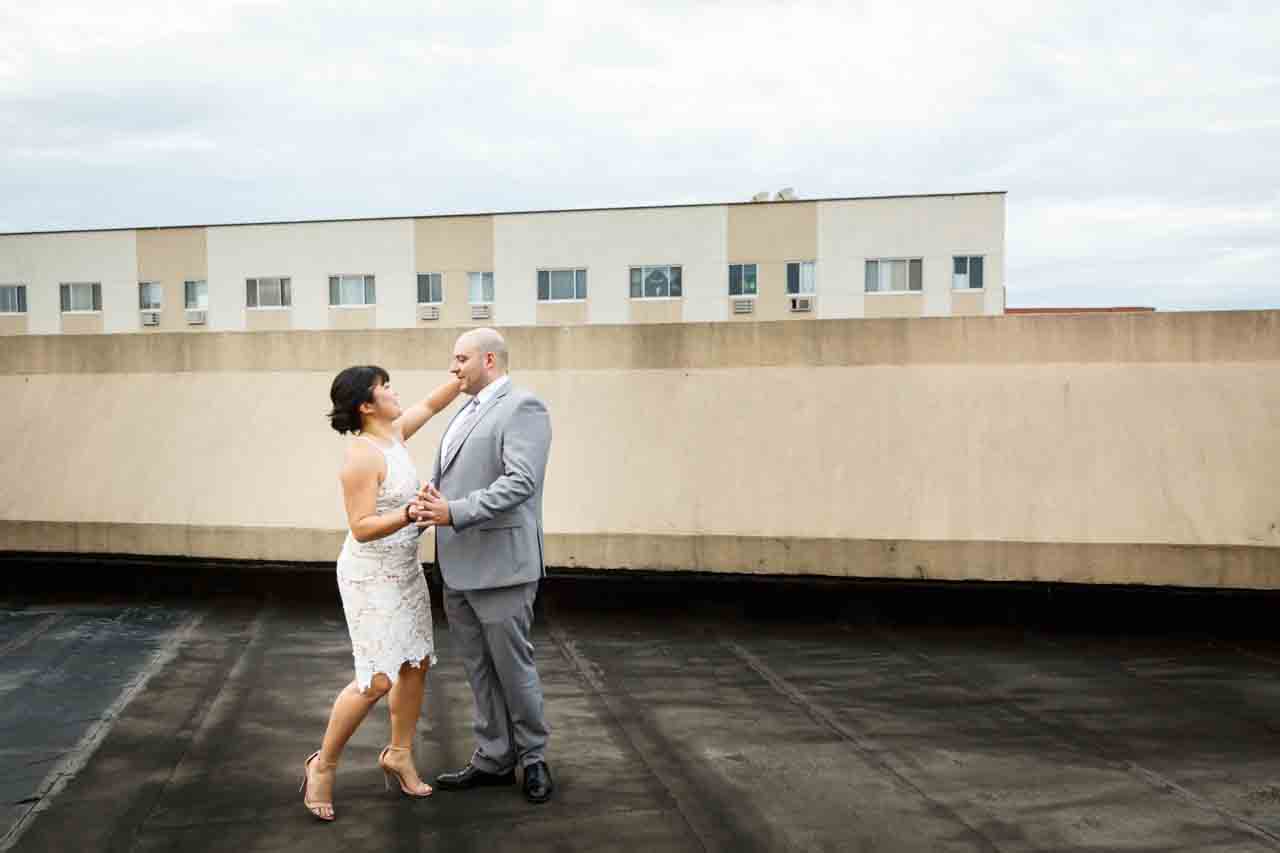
965, 303
456, 310
456, 242
1166, 565
895, 304
454, 246
172, 256
562, 313
1148, 338
353, 318
13, 324
656, 310
84, 324
256, 320
773, 231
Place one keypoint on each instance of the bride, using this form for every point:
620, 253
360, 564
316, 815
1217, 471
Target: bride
384, 594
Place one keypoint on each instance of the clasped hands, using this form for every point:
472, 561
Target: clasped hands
429, 508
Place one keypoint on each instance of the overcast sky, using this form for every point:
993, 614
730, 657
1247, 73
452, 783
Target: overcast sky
1139, 143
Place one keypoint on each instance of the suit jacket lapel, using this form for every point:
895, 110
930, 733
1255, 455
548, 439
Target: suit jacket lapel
462, 439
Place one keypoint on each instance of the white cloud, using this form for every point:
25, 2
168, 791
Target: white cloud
1129, 141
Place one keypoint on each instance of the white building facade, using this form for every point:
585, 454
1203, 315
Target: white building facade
901, 256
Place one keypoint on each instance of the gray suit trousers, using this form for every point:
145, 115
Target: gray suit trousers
490, 629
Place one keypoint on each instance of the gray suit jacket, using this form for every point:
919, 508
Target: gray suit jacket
493, 483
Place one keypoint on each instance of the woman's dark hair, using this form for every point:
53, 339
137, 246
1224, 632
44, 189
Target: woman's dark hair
352, 388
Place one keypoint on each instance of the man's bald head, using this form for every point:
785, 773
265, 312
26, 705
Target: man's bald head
479, 357
487, 340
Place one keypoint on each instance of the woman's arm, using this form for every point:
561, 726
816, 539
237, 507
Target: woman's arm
412, 418
361, 470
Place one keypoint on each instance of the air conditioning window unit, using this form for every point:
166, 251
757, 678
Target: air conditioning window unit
428, 312
481, 312
197, 318
151, 318
744, 306
802, 304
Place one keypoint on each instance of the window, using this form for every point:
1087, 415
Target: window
195, 295
431, 288
351, 290
800, 277
656, 283
966, 274
267, 293
561, 285
81, 296
150, 295
13, 299
742, 279
895, 275
480, 287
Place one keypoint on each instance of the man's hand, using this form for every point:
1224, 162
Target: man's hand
431, 508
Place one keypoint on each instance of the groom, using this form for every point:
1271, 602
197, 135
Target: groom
485, 501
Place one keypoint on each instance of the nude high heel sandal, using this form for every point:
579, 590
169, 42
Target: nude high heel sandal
314, 807
389, 771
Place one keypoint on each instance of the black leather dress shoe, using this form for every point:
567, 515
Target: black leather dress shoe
473, 777
537, 782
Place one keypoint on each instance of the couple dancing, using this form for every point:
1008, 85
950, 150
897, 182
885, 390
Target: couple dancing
485, 501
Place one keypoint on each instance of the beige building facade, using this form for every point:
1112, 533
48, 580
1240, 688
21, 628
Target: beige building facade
907, 256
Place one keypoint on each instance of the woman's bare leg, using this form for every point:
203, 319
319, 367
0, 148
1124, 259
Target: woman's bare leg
349, 711
405, 704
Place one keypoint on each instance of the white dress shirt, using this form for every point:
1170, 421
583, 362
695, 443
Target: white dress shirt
465, 418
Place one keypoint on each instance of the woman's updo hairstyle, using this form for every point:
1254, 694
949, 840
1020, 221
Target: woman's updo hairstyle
351, 389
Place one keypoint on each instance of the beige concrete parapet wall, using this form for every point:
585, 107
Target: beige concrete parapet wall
1093, 448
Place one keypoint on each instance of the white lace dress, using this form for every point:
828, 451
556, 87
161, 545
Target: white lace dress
384, 594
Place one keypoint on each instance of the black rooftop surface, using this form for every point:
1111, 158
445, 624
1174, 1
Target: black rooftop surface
171, 710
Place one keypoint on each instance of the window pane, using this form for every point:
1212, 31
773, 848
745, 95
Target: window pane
149, 296
562, 284
352, 290
81, 297
544, 285
897, 275
657, 282
269, 292
488, 286
807, 277
735, 279
637, 282
95, 295
251, 292
975, 272
793, 278
961, 266
873, 277
195, 295
917, 274
580, 283
370, 291
8, 300
286, 298
749, 279
424, 288
677, 281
